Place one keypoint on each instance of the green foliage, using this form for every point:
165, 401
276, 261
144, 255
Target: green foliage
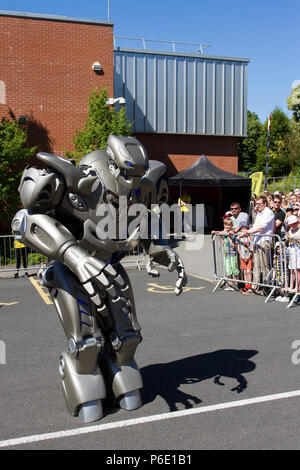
247, 147
103, 120
293, 103
279, 163
13, 158
292, 142
36, 258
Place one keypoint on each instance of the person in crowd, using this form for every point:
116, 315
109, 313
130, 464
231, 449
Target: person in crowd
270, 201
280, 271
21, 255
279, 216
230, 252
245, 251
289, 211
296, 208
262, 229
293, 199
293, 240
184, 201
253, 209
239, 218
285, 202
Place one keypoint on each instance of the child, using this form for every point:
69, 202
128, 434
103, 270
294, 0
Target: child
230, 254
245, 250
293, 238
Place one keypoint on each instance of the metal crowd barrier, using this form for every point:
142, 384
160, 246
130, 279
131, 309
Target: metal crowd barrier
135, 259
275, 278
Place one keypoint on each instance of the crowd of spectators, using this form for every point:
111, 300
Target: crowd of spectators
262, 246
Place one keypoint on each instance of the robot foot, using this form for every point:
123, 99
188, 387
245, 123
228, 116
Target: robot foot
131, 400
91, 411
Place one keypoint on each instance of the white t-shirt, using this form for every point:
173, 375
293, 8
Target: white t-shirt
264, 219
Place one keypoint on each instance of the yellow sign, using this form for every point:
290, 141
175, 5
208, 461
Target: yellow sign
154, 287
257, 181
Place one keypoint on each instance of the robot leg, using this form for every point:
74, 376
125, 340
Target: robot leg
117, 357
82, 381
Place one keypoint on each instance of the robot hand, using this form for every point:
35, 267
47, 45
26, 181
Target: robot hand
97, 277
170, 259
150, 268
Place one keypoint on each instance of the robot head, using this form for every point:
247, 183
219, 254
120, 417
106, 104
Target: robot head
127, 161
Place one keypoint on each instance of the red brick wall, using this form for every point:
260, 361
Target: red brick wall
181, 151
46, 66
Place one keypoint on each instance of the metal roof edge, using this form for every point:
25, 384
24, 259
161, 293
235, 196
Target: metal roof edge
180, 54
190, 134
41, 16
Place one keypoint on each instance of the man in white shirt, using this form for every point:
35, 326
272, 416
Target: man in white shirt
263, 226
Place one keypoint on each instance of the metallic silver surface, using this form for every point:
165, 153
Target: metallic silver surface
91, 411
182, 93
131, 400
90, 289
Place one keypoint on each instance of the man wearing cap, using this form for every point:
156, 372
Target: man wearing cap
263, 226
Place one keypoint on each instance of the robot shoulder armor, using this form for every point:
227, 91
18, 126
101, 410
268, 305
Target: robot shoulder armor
40, 189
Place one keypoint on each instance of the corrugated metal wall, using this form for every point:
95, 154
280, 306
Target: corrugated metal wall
182, 93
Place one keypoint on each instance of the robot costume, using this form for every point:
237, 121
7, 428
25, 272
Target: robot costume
88, 285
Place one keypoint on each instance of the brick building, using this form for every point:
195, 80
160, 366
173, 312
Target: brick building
46, 73
182, 105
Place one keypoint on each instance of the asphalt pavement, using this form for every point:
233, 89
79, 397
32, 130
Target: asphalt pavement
220, 371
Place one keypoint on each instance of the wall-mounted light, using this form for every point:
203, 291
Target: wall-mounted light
97, 67
113, 101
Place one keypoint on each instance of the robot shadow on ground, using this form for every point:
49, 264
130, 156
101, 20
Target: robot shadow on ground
165, 379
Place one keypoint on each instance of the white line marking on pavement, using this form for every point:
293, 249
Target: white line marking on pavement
145, 419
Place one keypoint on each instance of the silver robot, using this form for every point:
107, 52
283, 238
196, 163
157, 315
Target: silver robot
89, 286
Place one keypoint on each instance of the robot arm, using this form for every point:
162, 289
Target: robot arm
52, 239
162, 253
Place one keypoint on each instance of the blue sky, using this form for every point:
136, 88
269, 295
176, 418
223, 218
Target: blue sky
264, 31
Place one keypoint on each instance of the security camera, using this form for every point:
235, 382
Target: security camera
113, 101
97, 67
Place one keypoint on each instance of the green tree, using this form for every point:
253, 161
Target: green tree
279, 164
293, 103
102, 121
292, 142
14, 155
247, 147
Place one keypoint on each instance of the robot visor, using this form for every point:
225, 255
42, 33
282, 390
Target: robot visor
133, 170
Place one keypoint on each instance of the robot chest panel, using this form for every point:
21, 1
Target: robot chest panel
115, 226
